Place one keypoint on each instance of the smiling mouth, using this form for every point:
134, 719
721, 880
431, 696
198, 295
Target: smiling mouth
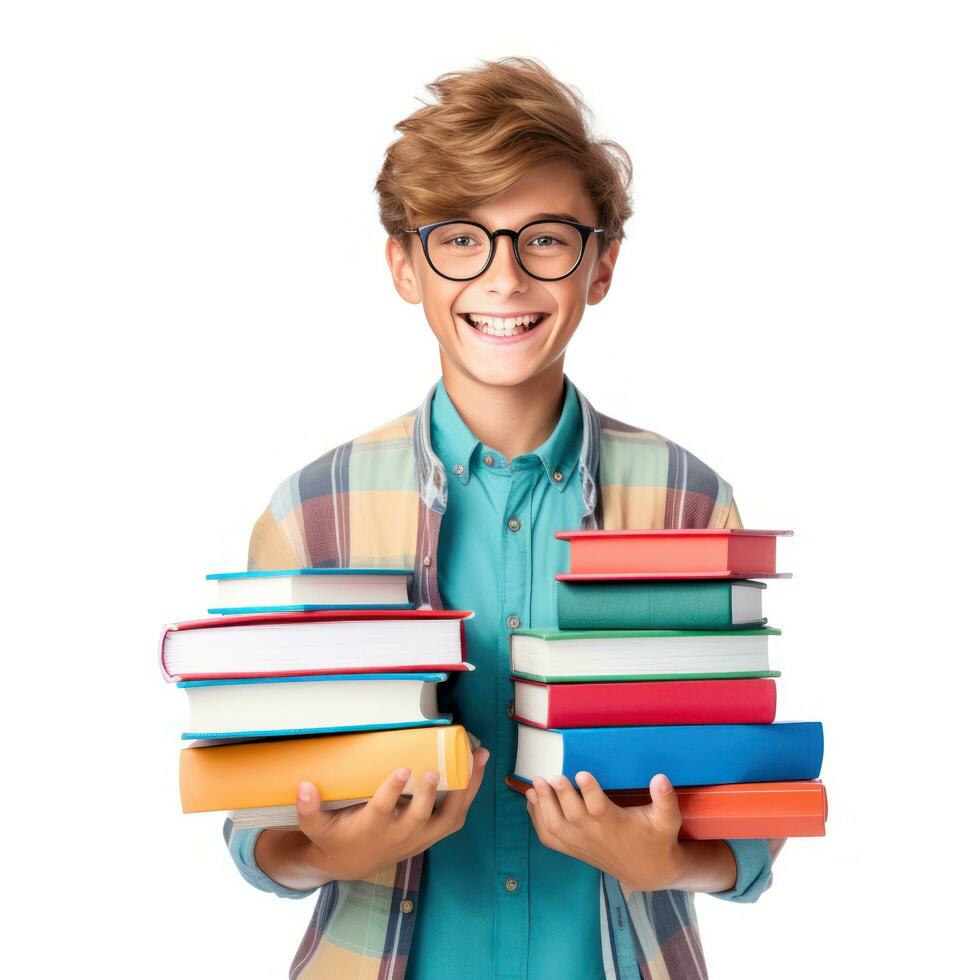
503, 326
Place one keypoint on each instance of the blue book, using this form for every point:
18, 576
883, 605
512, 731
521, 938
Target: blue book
310, 589
688, 755
315, 704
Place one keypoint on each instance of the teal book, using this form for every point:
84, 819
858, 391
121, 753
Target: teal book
705, 604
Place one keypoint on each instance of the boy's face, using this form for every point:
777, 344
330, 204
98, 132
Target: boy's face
504, 289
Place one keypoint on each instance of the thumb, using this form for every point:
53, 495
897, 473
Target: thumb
312, 820
307, 799
665, 810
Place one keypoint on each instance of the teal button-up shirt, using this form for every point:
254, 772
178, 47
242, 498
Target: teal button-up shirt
495, 902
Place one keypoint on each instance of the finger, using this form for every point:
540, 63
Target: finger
594, 799
456, 803
664, 807
548, 809
544, 835
420, 809
570, 802
312, 820
386, 795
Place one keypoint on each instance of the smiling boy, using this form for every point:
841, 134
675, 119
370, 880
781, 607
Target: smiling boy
505, 220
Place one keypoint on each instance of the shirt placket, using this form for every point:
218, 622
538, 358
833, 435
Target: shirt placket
511, 877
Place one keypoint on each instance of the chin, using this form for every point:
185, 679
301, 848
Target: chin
502, 375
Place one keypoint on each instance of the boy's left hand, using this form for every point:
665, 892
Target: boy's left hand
638, 845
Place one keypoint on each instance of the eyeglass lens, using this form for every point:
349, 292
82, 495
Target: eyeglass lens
548, 249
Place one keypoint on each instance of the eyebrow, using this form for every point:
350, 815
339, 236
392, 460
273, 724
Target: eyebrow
561, 216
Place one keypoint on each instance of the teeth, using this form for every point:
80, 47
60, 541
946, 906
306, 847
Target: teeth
503, 326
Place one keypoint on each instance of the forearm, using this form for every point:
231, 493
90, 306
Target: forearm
284, 855
706, 866
711, 866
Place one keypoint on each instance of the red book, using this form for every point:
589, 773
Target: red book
749, 701
736, 810
671, 553
328, 641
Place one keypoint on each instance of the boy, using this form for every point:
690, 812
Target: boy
505, 220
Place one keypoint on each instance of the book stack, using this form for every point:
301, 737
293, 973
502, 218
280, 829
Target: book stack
327, 675
660, 663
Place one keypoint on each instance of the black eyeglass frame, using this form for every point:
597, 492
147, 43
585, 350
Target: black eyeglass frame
423, 231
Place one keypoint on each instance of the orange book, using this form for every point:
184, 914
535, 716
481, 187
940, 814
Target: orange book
736, 810
342, 767
671, 553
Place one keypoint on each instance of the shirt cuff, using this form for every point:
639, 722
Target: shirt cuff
754, 863
241, 844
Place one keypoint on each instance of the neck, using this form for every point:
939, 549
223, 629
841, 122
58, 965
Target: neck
513, 419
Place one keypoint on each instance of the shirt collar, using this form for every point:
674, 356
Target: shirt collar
454, 443
432, 474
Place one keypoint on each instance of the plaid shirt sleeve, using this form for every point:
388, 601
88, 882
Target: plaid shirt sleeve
241, 844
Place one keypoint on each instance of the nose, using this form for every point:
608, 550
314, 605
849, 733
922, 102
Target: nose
504, 275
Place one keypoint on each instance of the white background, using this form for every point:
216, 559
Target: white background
184, 324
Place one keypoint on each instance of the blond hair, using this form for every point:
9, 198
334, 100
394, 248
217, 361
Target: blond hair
489, 126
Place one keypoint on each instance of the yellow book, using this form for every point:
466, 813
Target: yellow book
342, 767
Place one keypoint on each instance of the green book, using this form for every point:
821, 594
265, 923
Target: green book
706, 604
597, 655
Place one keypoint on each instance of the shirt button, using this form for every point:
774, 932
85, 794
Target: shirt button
514, 524
558, 476
488, 459
406, 905
513, 622
510, 709
458, 468
511, 884
426, 561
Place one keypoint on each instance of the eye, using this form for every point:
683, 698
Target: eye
546, 240
460, 240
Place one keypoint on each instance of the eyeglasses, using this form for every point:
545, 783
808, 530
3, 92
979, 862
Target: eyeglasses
463, 250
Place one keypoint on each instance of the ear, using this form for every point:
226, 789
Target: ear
602, 276
402, 271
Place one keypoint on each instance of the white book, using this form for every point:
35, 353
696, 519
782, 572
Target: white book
304, 589
314, 704
314, 643
611, 654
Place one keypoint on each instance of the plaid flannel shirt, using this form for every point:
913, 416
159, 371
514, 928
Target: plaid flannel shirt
377, 501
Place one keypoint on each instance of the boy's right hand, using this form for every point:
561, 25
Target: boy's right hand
356, 841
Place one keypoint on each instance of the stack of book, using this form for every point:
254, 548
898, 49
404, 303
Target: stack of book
326, 675
660, 664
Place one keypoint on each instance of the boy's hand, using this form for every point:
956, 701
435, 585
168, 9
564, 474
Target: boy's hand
356, 841
638, 845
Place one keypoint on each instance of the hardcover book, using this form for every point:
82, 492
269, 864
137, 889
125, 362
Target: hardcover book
605, 655
307, 589
745, 701
671, 553
264, 707
735, 810
688, 755
328, 641
342, 767
660, 605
